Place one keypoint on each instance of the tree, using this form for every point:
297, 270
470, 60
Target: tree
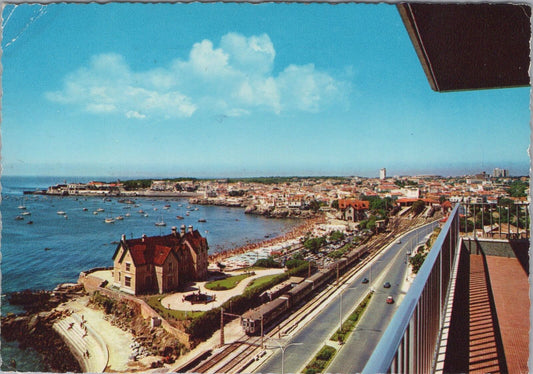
469, 225
314, 205
268, 262
314, 244
418, 206
336, 236
335, 204
518, 188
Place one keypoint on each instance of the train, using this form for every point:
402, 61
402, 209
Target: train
272, 310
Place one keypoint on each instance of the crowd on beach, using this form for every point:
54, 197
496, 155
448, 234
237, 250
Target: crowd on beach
294, 233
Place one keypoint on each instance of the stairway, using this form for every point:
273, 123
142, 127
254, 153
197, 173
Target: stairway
82, 341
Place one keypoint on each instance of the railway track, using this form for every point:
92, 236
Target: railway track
236, 357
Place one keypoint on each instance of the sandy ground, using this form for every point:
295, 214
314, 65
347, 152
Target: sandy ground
117, 341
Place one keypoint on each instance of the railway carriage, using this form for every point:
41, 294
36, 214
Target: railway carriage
251, 320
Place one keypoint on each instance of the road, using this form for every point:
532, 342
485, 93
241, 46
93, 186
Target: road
389, 266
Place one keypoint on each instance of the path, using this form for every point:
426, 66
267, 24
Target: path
175, 302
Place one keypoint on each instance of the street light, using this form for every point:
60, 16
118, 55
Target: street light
283, 348
340, 309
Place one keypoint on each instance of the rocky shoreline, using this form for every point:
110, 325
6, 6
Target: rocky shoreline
33, 328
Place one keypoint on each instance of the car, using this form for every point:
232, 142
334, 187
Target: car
399, 241
386, 285
390, 300
365, 280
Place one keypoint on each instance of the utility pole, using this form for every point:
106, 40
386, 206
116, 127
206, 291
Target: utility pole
221, 327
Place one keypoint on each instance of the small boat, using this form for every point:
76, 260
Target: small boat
188, 207
166, 206
141, 211
179, 217
61, 213
22, 207
25, 214
202, 220
127, 214
187, 213
29, 223
19, 218
85, 209
195, 208
47, 249
100, 209
119, 218
66, 217
109, 220
160, 223
95, 212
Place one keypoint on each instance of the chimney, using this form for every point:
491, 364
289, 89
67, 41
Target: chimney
174, 231
190, 229
143, 237
182, 230
123, 238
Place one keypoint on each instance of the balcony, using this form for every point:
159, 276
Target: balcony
467, 310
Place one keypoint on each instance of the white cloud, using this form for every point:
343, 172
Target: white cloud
235, 78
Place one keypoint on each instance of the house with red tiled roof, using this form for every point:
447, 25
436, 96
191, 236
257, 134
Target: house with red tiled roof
353, 210
160, 264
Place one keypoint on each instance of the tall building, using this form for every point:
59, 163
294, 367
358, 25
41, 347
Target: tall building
383, 173
499, 173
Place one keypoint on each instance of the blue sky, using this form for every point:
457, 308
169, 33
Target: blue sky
239, 90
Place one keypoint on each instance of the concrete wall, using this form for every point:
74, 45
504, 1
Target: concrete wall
503, 248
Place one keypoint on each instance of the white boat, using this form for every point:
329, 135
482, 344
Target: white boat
25, 213
19, 218
119, 218
127, 214
160, 222
61, 213
95, 212
22, 207
100, 209
109, 220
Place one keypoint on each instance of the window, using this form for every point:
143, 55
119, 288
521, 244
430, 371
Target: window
170, 266
119, 276
127, 281
128, 265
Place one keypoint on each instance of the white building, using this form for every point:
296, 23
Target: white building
383, 173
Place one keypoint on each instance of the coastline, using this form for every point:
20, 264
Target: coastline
289, 236
95, 319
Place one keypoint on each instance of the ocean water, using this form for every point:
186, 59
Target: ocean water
55, 248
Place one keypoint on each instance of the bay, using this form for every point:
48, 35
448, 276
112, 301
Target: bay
55, 248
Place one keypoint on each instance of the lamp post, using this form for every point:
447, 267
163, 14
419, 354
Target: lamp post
340, 307
283, 348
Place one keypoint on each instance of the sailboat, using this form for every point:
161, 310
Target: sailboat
161, 222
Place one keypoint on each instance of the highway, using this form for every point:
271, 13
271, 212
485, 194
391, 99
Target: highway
391, 267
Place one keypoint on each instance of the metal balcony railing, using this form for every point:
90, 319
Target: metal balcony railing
409, 344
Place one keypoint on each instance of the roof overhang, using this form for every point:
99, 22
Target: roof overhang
470, 46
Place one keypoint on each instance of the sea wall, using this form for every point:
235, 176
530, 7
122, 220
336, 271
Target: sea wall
148, 313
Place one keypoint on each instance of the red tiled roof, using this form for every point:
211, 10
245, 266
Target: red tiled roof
356, 204
156, 249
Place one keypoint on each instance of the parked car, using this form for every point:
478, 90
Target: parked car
390, 300
365, 280
386, 285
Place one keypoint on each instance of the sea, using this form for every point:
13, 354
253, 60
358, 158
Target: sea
41, 248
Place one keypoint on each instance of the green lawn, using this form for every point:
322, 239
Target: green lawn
226, 284
258, 282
